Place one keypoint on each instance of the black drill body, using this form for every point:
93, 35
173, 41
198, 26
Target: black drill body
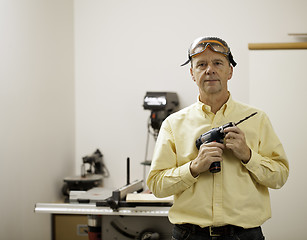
213, 135
217, 135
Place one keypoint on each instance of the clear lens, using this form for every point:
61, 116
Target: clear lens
199, 47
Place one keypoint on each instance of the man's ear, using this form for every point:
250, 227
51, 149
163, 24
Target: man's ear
192, 75
230, 72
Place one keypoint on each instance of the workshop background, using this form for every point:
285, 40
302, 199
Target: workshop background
73, 77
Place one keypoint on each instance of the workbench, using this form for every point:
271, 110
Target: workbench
123, 223
91, 209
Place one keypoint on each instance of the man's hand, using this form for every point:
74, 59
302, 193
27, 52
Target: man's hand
235, 141
208, 153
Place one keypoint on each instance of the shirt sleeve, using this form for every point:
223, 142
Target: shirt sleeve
268, 165
166, 178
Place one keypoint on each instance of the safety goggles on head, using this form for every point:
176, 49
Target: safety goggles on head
215, 44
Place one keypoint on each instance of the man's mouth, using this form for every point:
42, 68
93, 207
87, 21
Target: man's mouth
212, 80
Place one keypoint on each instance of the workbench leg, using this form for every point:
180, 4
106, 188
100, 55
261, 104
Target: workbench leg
94, 227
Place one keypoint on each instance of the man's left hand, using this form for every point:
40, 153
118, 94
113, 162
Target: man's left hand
235, 141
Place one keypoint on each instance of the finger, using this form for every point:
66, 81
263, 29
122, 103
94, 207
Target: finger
216, 152
214, 144
234, 129
211, 151
231, 135
230, 129
207, 152
216, 159
231, 145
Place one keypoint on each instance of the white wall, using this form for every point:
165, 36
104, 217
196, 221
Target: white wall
278, 83
125, 48
37, 112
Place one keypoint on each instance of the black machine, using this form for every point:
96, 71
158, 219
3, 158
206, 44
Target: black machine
161, 105
95, 162
217, 135
92, 172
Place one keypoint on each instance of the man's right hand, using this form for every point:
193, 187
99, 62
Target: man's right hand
208, 153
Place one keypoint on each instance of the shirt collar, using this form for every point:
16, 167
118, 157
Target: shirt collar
226, 108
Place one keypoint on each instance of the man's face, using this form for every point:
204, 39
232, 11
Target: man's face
211, 72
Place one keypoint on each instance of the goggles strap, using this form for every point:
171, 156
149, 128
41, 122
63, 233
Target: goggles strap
189, 60
231, 60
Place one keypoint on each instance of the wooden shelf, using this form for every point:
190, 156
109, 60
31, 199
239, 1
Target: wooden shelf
277, 46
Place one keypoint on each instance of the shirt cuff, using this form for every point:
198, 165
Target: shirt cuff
186, 175
254, 161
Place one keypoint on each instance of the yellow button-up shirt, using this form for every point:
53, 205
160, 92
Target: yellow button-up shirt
238, 194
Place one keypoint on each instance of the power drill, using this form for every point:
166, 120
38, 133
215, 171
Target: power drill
217, 135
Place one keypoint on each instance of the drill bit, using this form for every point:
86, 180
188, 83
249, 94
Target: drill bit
242, 120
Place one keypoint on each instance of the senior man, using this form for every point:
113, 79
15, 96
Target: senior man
234, 202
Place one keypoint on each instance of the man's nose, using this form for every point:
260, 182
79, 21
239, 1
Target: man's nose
209, 69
